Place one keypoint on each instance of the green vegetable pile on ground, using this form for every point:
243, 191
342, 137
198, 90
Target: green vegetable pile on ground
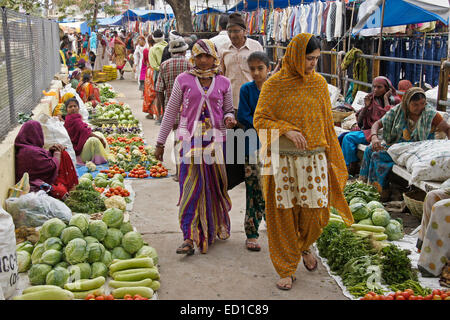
361, 190
396, 266
85, 199
411, 284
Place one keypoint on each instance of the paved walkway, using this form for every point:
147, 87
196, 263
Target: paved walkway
228, 270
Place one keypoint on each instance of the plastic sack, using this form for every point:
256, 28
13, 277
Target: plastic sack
56, 133
9, 275
20, 188
83, 110
34, 208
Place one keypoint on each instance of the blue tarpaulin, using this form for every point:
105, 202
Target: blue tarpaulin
209, 10
111, 21
146, 15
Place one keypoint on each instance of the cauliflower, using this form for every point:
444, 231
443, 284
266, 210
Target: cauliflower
136, 153
116, 202
91, 166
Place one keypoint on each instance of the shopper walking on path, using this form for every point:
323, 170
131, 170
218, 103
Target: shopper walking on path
119, 54
149, 104
154, 59
206, 111
169, 70
102, 58
294, 106
259, 64
138, 58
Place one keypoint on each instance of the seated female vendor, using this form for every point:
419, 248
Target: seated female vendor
87, 145
376, 104
52, 170
412, 120
87, 91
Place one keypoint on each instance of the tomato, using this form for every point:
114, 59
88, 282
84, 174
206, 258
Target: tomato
400, 297
413, 297
137, 296
368, 297
100, 298
436, 292
411, 291
109, 297
127, 296
141, 176
444, 295
389, 298
436, 297
406, 295
128, 299
164, 174
429, 297
89, 297
419, 297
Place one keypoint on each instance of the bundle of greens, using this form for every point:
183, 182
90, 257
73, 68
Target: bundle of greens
362, 190
329, 233
85, 199
396, 266
411, 284
359, 269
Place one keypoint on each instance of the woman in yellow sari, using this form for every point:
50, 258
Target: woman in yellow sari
294, 110
119, 55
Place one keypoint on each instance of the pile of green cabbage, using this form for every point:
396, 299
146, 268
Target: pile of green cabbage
83, 249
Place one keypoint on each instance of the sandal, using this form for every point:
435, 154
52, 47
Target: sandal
293, 278
305, 253
181, 249
252, 246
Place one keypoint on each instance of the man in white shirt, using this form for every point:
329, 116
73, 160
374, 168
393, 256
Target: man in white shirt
234, 55
222, 37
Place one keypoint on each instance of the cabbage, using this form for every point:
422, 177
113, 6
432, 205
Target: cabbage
39, 249
132, 242
101, 175
147, 251
25, 246
97, 229
380, 217
23, 260
70, 233
372, 205
95, 252
126, 227
367, 222
91, 166
394, 230
113, 217
117, 183
52, 228
76, 251
359, 211
38, 273
118, 177
57, 277
53, 243
120, 253
357, 200
107, 258
62, 264
101, 183
84, 183
113, 238
90, 239
79, 271
86, 176
51, 257
81, 221
99, 269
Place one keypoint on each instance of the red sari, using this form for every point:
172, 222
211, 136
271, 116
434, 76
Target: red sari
67, 177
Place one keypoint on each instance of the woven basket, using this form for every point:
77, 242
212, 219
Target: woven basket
339, 116
414, 205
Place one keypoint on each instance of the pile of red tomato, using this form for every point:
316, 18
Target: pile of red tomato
138, 172
408, 294
158, 171
99, 297
117, 191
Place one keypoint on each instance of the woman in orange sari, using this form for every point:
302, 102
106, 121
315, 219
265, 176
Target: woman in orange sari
119, 55
87, 91
149, 104
307, 173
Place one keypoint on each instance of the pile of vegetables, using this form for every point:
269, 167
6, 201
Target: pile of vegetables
409, 294
106, 92
361, 190
158, 171
119, 112
76, 257
85, 199
138, 172
107, 129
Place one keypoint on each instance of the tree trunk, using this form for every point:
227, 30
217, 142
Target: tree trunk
182, 11
94, 18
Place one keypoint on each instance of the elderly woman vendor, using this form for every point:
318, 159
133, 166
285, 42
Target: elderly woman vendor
412, 120
87, 145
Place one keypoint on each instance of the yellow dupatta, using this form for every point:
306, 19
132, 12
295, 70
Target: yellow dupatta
294, 100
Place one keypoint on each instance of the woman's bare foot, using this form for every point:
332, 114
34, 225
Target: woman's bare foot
286, 283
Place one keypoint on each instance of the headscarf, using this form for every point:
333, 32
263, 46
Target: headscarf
208, 47
31, 157
404, 85
75, 73
395, 122
78, 131
93, 40
62, 104
294, 100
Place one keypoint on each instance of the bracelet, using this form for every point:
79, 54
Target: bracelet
373, 134
160, 145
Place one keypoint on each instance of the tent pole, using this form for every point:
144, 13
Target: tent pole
351, 27
376, 63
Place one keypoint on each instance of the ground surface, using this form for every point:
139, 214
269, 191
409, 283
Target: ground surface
228, 270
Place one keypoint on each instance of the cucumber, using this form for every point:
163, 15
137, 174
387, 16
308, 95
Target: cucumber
375, 235
84, 294
130, 271
155, 285
145, 292
131, 263
86, 284
363, 227
332, 215
47, 294
120, 284
40, 288
137, 276
380, 236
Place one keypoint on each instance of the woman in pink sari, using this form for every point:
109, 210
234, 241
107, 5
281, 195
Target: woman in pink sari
52, 170
87, 145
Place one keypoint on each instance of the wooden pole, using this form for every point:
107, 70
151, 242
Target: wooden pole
351, 27
376, 63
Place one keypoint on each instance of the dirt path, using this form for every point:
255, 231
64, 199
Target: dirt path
228, 270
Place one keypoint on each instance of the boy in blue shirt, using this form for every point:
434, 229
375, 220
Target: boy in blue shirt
259, 65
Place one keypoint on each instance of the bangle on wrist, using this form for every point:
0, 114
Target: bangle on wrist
158, 145
373, 134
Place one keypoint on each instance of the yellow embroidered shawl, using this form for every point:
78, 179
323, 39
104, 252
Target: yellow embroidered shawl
294, 100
